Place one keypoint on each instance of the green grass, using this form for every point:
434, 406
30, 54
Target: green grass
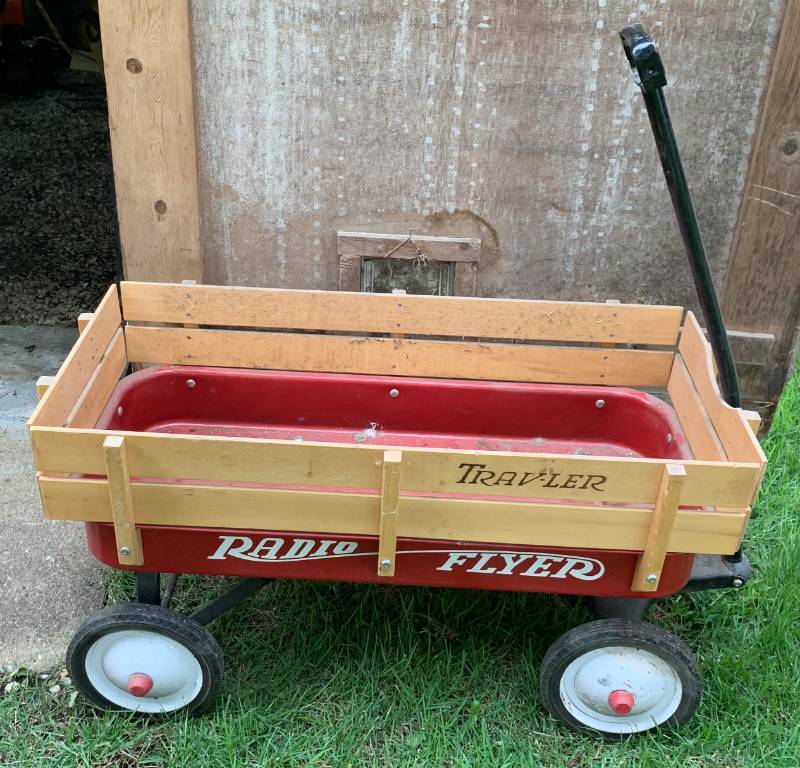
348, 675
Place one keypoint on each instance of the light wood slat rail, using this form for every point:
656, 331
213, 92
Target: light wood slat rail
425, 470
385, 313
400, 357
359, 513
390, 502
128, 536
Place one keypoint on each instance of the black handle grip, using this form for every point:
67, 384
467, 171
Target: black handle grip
643, 56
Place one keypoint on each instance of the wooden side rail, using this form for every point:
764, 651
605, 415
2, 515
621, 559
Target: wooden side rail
385, 313
128, 536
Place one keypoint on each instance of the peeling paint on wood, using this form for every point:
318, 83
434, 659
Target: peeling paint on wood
514, 124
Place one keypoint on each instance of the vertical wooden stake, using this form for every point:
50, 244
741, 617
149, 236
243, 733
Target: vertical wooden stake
390, 500
651, 561
129, 538
43, 383
83, 321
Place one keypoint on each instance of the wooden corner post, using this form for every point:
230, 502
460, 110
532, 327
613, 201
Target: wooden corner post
147, 51
390, 502
129, 538
651, 561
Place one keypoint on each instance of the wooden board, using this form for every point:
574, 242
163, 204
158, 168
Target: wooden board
761, 291
149, 79
128, 537
55, 407
696, 424
385, 313
361, 245
390, 503
729, 423
401, 357
359, 513
429, 470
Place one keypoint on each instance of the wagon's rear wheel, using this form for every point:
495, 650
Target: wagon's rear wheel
145, 658
619, 677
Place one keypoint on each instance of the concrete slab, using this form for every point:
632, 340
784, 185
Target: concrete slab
48, 580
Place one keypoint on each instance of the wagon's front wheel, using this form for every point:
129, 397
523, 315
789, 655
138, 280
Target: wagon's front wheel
619, 677
145, 658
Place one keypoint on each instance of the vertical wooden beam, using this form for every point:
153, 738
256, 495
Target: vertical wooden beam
83, 321
762, 290
147, 48
390, 501
129, 538
651, 561
43, 383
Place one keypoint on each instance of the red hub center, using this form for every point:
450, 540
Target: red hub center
621, 702
139, 684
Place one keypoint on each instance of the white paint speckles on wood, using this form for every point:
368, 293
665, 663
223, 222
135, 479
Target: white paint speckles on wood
490, 118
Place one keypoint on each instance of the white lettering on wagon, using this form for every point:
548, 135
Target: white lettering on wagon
487, 562
539, 564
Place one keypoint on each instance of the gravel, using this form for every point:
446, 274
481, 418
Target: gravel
57, 214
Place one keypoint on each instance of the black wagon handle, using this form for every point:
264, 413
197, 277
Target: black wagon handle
648, 69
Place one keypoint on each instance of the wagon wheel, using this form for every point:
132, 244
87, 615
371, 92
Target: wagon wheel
145, 658
619, 677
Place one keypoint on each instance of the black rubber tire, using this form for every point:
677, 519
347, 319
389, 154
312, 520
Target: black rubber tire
153, 618
619, 632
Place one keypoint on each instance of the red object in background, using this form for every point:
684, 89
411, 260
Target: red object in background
12, 12
395, 411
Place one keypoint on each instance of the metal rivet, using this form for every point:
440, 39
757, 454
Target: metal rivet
394, 393
386, 564
652, 578
124, 550
738, 583
119, 411
191, 383
299, 439
669, 437
600, 403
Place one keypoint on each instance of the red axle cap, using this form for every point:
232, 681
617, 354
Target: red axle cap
621, 702
139, 684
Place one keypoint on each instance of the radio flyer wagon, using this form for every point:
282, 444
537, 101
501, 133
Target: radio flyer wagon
445, 441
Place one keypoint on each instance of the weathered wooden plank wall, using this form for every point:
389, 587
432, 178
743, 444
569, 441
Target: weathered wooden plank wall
515, 122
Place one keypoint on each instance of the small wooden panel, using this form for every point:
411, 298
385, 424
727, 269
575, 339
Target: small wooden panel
390, 500
101, 384
83, 321
426, 470
651, 562
128, 537
560, 525
149, 79
729, 423
372, 245
400, 357
55, 407
385, 313
695, 421
43, 383
753, 419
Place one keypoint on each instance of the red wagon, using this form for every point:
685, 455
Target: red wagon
454, 442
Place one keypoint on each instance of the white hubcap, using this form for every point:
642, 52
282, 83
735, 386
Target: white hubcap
175, 672
589, 679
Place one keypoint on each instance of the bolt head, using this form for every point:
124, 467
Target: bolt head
191, 383
394, 393
600, 403
651, 578
737, 583
124, 550
669, 438
119, 411
386, 564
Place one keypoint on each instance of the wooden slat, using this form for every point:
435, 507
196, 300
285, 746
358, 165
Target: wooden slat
695, 421
373, 245
128, 537
651, 562
729, 423
385, 313
401, 357
358, 513
95, 395
83, 321
73, 376
390, 498
425, 470
149, 80
753, 419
